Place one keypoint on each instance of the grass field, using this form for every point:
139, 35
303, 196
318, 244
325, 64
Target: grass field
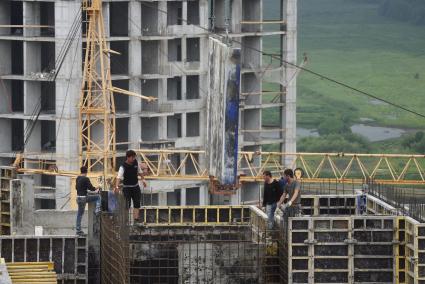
349, 41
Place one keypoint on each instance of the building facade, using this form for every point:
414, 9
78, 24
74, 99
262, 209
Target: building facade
164, 54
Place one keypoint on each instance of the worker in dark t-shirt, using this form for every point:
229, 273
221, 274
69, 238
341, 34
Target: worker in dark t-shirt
83, 185
271, 195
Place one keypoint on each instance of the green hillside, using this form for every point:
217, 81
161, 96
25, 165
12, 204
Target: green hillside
361, 43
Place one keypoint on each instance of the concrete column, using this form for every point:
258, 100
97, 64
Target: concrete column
162, 18
203, 195
68, 86
32, 94
22, 211
183, 122
106, 18
135, 70
203, 14
162, 198
6, 137
183, 196
5, 50
31, 17
236, 16
235, 199
164, 67
184, 12
32, 57
184, 87
289, 113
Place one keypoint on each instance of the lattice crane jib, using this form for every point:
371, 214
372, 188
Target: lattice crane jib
96, 107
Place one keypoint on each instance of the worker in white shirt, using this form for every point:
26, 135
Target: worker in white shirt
128, 173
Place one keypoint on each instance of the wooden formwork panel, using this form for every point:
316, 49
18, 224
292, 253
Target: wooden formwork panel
352, 249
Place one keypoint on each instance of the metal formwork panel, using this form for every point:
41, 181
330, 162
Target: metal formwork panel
399, 251
352, 249
411, 250
316, 205
420, 230
195, 215
374, 243
68, 253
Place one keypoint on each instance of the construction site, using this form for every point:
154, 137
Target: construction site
183, 84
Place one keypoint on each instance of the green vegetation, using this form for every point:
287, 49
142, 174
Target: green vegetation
373, 45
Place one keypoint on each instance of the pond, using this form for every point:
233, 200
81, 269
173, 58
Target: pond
377, 133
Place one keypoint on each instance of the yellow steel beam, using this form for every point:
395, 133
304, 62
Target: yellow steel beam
318, 167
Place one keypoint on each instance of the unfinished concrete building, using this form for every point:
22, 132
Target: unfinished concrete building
164, 54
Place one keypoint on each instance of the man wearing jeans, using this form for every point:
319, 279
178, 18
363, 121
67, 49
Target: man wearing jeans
83, 185
271, 195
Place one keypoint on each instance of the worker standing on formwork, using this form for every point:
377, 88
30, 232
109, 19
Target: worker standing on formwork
291, 192
271, 195
83, 185
128, 173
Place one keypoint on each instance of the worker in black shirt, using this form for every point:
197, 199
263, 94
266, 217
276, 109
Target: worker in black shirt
128, 173
271, 195
83, 185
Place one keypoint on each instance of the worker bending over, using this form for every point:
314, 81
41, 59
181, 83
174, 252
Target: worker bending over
83, 185
128, 173
292, 191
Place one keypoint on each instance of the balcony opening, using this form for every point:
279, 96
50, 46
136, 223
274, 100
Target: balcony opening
174, 88
18, 57
16, 17
174, 126
193, 49
150, 18
48, 136
192, 124
150, 129
192, 87
118, 21
174, 13
17, 134
193, 12
150, 57
122, 133
119, 63
48, 97
174, 197
47, 18
175, 50
17, 96
190, 166
121, 101
150, 89
47, 57
192, 196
